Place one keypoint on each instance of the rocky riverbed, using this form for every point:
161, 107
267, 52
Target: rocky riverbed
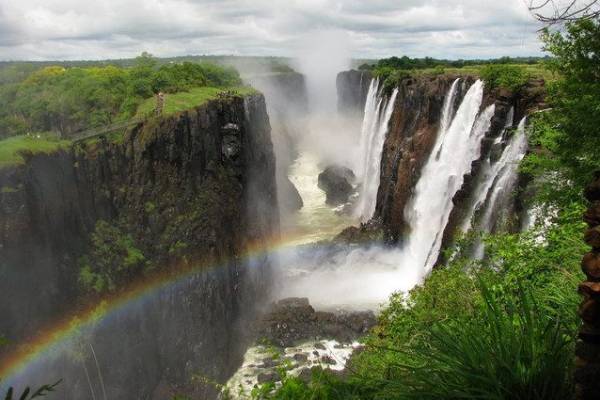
294, 340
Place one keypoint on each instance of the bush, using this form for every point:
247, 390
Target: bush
112, 260
510, 77
68, 100
510, 350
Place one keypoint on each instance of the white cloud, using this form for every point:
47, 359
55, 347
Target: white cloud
75, 29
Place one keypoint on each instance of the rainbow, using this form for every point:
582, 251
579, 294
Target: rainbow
60, 332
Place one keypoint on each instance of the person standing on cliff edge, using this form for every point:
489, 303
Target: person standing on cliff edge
160, 101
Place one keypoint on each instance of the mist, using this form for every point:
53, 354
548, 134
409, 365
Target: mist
320, 56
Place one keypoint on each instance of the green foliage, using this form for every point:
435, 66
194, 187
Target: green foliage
510, 77
569, 133
323, 386
501, 328
391, 77
408, 63
113, 259
510, 350
28, 395
65, 100
12, 149
185, 100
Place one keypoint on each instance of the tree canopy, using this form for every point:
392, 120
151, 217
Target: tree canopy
67, 99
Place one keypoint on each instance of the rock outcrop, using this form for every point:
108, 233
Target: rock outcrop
336, 182
352, 88
195, 188
412, 133
413, 130
587, 373
287, 103
292, 321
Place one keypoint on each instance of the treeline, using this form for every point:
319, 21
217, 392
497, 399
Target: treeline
508, 72
64, 100
429, 62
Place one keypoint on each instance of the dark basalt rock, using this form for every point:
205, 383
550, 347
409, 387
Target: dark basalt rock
369, 232
352, 88
587, 351
197, 185
289, 198
336, 182
294, 320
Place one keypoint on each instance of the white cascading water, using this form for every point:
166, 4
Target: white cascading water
378, 112
489, 173
457, 146
503, 182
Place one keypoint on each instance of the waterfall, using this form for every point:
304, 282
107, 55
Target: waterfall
378, 112
458, 144
489, 172
500, 190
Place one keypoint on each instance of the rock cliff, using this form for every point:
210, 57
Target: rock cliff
352, 88
192, 188
413, 131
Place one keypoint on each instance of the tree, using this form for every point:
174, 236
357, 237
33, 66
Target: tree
561, 11
571, 129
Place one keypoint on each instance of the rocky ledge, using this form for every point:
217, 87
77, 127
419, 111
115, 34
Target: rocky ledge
293, 320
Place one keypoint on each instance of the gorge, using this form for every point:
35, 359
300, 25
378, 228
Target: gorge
195, 196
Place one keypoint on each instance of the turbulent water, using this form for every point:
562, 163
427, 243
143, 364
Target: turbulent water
315, 220
377, 114
364, 276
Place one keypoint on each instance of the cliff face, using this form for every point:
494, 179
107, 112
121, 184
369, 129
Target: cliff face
352, 88
187, 189
287, 104
413, 131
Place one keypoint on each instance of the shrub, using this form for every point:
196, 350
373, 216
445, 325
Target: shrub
510, 77
113, 259
512, 350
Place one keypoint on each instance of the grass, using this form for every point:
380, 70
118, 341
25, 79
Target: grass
514, 351
185, 100
11, 149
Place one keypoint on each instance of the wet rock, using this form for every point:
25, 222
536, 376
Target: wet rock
268, 363
328, 360
305, 375
293, 320
337, 181
301, 357
288, 196
369, 232
319, 346
352, 87
267, 377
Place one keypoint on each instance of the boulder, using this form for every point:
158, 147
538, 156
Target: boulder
293, 320
288, 196
336, 182
267, 377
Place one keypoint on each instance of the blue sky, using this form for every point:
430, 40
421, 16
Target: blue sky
96, 29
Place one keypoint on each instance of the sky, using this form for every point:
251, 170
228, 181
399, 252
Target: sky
101, 29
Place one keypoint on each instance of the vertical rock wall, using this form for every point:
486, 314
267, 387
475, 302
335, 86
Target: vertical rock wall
587, 372
191, 188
